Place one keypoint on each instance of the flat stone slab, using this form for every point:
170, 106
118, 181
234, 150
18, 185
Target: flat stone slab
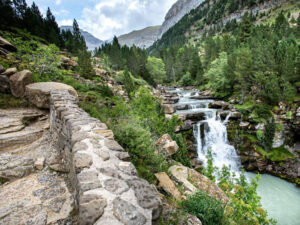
36, 199
39, 93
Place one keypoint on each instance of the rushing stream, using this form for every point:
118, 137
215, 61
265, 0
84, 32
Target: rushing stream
280, 198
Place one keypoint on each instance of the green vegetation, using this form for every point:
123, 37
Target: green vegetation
209, 210
8, 101
280, 154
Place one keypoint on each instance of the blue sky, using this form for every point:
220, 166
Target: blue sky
106, 18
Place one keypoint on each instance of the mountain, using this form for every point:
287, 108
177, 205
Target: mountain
141, 38
91, 41
220, 16
177, 11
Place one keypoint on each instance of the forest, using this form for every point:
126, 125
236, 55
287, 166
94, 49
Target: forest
254, 65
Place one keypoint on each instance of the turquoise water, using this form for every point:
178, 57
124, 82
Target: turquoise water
280, 198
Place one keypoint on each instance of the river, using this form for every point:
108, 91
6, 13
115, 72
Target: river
280, 198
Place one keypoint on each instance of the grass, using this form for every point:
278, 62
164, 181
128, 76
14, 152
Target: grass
8, 101
280, 154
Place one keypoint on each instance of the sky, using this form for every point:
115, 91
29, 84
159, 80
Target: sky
106, 18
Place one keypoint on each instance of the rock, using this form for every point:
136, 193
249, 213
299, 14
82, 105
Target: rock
180, 175
113, 145
4, 84
244, 124
91, 208
168, 185
208, 186
219, 105
115, 186
127, 213
182, 107
298, 112
185, 176
68, 63
39, 163
10, 71
124, 156
1, 69
6, 47
195, 116
167, 146
105, 133
193, 220
82, 160
101, 72
104, 155
19, 81
128, 168
147, 196
169, 109
39, 93
15, 167
88, 180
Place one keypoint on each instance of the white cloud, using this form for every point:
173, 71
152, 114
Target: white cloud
57, 2
116, 17
65, 23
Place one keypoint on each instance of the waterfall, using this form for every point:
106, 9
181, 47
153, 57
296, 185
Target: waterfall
215, 140
211, 133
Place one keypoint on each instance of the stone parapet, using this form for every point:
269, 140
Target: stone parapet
106, 186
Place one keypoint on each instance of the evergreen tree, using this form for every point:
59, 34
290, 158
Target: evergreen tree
128, 82
245, 29
269, 134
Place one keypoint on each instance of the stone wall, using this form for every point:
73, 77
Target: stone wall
105, 184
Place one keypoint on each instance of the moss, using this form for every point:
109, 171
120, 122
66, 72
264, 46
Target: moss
280, 154
252, 138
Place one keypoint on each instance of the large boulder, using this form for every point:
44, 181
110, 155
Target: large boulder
9, 72
18, 82
39, 93
192, 181
169, 109
1, 69
4, 84
6, 47
219, 105
166, 145
168, 185
68, 63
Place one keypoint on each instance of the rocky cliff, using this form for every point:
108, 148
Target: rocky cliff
141, 38
177, 11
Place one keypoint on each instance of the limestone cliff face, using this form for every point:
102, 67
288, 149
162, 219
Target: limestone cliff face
141, 38
177, 11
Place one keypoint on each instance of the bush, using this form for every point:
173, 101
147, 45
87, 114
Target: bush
269, 133
262, 111
209, 210
186, 80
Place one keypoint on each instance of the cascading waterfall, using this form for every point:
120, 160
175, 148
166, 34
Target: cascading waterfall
211, 133
215, 140
279, 197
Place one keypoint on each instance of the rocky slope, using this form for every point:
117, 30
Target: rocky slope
91, 41
141, 38
177, 11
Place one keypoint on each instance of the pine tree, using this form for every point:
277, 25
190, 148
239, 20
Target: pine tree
245, 29
128, 82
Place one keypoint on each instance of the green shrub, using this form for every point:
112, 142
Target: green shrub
186, 80
269, 133
209, 210
262, 111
